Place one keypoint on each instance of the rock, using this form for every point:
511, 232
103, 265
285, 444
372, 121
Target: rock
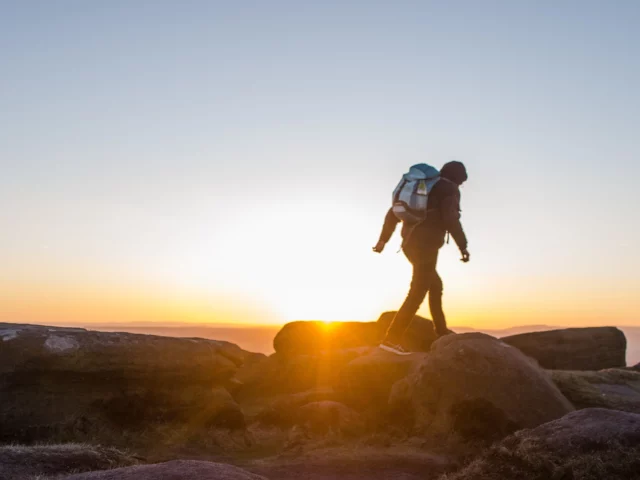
254, 366
211, 406
418, 337
174, 470
17, 461
587, 429
281, 411
58, 382
34, 349
478, 387
284, 374
593, 348
615, 388
308, 338
365, 382
320, 417
311, 338
587, 444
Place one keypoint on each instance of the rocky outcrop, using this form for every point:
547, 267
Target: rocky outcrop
361, 380
340, 357
594, 348
23, 462
479, 387
281, 374
587, 444
32, 349
54, 380
174, 470
616, 389
311, 338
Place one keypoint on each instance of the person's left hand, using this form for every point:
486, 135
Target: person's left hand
465, 255
379, 247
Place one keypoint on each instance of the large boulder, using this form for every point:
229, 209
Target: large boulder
478, 387
83, 353
594, 348
22, 462
614, 388
310, 338
60, 382
174, 470
365, 383
589, 444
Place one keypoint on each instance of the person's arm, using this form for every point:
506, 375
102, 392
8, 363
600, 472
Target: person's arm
390, 223
450, 211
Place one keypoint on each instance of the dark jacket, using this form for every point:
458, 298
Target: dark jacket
443, 214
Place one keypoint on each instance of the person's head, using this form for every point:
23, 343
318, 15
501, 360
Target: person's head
454, 171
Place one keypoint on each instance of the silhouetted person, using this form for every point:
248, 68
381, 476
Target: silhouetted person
421, 243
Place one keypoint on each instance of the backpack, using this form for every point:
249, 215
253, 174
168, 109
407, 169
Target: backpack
412, 193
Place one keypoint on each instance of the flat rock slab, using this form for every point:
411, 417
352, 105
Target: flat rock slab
33, 348
593, 348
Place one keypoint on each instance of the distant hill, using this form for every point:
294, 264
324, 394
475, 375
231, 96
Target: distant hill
260, 338
633, 344
504, 332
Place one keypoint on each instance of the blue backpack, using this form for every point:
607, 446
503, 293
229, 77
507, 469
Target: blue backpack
411, 195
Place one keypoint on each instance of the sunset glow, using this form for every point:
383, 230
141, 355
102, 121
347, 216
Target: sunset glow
238, 171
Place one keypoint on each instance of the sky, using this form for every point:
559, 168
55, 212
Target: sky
232, 162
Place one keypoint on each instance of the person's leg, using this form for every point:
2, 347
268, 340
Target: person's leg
424, 269
435, 305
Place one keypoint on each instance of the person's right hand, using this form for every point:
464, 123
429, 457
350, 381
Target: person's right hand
379, 247
465, 255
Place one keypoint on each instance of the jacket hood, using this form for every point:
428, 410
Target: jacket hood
454, 171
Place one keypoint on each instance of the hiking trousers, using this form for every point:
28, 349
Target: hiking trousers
425, 279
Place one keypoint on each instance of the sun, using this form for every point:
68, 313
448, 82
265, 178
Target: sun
310, 262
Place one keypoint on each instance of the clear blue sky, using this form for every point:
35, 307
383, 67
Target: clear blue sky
208, 151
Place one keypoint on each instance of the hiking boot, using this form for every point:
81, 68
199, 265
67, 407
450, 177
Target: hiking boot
394, 348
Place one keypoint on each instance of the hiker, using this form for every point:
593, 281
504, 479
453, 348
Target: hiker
422, 239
